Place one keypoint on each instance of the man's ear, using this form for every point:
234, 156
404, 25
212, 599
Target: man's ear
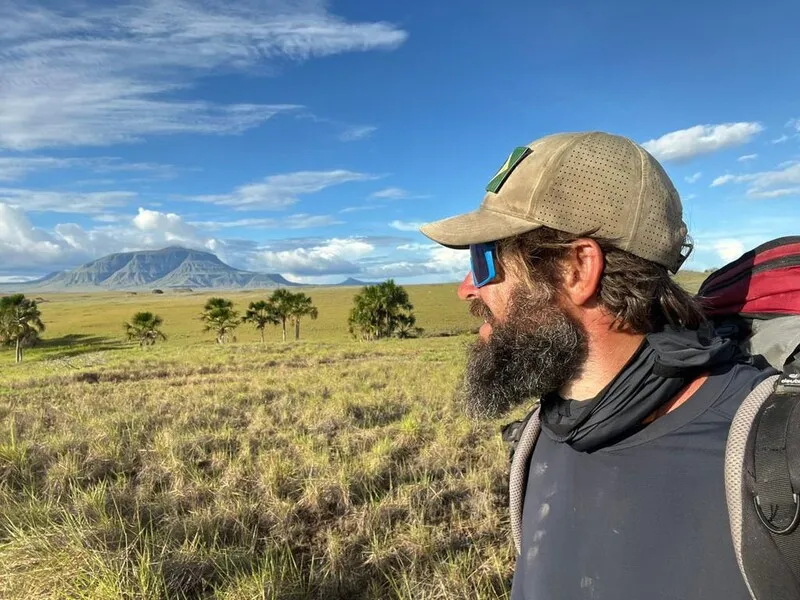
583, 268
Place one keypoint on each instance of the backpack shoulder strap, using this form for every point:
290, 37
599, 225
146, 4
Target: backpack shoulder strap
518, 477
735, 460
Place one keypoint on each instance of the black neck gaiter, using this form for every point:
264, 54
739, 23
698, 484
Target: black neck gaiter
665, 363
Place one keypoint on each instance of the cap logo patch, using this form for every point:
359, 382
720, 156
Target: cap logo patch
512, 161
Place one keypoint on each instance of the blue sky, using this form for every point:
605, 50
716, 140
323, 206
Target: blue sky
312, 138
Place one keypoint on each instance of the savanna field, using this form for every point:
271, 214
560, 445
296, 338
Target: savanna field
318, 468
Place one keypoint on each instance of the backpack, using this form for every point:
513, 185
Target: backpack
754, 300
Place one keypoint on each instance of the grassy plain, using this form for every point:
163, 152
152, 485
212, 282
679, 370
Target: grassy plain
324, 468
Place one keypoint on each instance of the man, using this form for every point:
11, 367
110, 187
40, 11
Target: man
571, 253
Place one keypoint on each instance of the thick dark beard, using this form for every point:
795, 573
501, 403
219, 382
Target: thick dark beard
538, 349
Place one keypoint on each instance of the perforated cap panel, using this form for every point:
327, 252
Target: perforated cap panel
595, 186
660, 232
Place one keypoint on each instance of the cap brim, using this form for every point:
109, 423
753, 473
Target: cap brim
476, 227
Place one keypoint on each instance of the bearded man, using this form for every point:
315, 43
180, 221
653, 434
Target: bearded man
571, 253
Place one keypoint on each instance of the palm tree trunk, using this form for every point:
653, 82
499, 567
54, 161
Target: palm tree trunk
262, 335
19, 350
297, 329
283, 322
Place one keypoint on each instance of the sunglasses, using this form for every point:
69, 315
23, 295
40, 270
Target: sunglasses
482, 263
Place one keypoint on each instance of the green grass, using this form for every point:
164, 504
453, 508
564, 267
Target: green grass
324, 468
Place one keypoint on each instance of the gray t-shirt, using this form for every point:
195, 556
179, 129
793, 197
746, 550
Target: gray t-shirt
642, 519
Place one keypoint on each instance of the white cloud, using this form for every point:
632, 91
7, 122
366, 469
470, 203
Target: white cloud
170, 224
111, 72
16, 278
357, 132
417, 247
298, 221
391, 193
404, 226
694, 178
24, 246
111, 218
780, 139
337, 255
684, 144
351, 209
747, 157
396, 193
730, 238
779, 193
729, 249
793, 124
432, 260
277, 192
17, 167
64, 202
767, 184
723, 179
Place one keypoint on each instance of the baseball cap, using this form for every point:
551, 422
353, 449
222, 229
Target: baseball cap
578, 182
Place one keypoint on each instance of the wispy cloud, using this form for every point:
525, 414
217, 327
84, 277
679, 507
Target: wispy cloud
767, 184
747, 157
277, 192
396, 193
298, 221
685, 144
392, 193
110, 73
404, 226
17, 167
694, 178
780, 139
352, 209
357, 132
64, 202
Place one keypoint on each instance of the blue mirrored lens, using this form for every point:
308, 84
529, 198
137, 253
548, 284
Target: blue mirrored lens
482, 262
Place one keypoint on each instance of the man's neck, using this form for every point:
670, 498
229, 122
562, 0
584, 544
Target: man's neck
609, 352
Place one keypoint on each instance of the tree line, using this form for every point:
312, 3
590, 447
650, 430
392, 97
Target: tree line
379, 311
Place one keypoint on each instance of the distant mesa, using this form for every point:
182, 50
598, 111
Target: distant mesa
172, 269
356, 282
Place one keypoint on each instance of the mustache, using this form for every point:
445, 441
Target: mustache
478, 308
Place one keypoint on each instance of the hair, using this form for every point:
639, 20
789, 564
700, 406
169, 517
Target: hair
640, 294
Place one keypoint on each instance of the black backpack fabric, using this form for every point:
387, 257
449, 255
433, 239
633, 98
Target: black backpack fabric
756, 300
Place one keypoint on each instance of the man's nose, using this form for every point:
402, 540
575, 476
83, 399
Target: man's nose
467, 290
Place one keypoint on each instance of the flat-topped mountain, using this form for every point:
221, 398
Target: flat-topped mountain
172, 267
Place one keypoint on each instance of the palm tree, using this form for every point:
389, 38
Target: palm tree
382, 310
302, 307
219, 317
20, 322
145, 327
262, 313
283, 301
290, 306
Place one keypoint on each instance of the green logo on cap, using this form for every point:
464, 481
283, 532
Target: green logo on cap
512, 161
